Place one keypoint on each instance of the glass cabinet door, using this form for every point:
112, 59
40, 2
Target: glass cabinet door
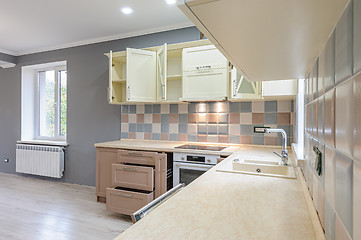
242, 88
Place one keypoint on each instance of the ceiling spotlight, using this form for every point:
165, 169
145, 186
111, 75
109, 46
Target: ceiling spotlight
171, 1
127, 10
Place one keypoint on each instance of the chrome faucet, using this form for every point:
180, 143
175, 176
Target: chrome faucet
284, 153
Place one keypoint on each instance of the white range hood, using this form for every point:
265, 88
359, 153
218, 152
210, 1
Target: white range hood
267, 39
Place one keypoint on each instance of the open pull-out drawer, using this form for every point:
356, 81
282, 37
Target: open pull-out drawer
126, 201
132, 176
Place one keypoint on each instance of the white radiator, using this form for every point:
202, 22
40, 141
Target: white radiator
40, 160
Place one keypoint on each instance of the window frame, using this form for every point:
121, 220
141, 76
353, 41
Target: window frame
57, 105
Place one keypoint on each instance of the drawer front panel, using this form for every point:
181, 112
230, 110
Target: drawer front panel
126, 202
137, 157
130, 176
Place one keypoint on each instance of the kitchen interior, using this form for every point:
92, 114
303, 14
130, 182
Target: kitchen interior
224, 119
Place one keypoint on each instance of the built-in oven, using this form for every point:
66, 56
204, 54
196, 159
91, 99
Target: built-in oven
188, 166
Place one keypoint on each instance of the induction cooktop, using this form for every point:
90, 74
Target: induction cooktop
202, 147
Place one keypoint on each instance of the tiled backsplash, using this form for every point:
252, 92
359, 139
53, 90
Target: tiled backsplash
333, 124
224, 122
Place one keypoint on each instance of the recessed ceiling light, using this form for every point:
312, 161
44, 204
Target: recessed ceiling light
171, 1
127, 10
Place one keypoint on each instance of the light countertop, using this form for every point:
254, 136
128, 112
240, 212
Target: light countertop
221, 205
169, 146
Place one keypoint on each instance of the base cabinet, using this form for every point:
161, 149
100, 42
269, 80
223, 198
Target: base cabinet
127, 180
105, 157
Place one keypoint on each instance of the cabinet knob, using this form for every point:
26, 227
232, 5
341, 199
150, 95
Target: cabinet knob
208, 160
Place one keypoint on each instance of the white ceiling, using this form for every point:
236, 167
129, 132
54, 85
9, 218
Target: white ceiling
41, 25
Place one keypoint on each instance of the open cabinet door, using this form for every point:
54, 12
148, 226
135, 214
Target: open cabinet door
162, 73
110, 89
242, 88
141, 75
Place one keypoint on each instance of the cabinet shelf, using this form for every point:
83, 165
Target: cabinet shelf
118, 81
174, 77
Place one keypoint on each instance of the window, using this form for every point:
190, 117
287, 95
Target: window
44, 102
51, 106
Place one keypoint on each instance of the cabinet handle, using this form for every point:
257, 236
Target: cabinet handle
128, 92
133, 169
204, 68
163, 91
109, 95
125, 194
134, 154
260, 88
234, 88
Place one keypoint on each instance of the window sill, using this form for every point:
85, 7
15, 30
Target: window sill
45, 142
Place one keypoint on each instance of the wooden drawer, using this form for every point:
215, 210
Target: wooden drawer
137, 157
131, 176
125, 201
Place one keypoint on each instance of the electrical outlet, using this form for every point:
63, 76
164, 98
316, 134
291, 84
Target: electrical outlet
260, 129
6, 160
318, 160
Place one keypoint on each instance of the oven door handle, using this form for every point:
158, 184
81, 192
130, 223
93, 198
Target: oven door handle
194, 165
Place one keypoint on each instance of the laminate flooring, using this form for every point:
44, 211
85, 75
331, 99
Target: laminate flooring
36, 209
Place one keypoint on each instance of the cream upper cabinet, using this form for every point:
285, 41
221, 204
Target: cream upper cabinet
241, 88
262, 38
205, 74
189, 71
280, 88
141, 75
117, 75
148, 75
132, 76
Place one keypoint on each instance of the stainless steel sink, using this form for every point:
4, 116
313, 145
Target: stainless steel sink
259, 167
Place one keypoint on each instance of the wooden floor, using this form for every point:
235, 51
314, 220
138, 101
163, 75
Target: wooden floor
31, 208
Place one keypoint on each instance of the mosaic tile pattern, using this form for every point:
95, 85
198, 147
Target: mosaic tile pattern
223, 122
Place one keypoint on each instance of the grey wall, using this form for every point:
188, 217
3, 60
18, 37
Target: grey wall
7, 58
90, 118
